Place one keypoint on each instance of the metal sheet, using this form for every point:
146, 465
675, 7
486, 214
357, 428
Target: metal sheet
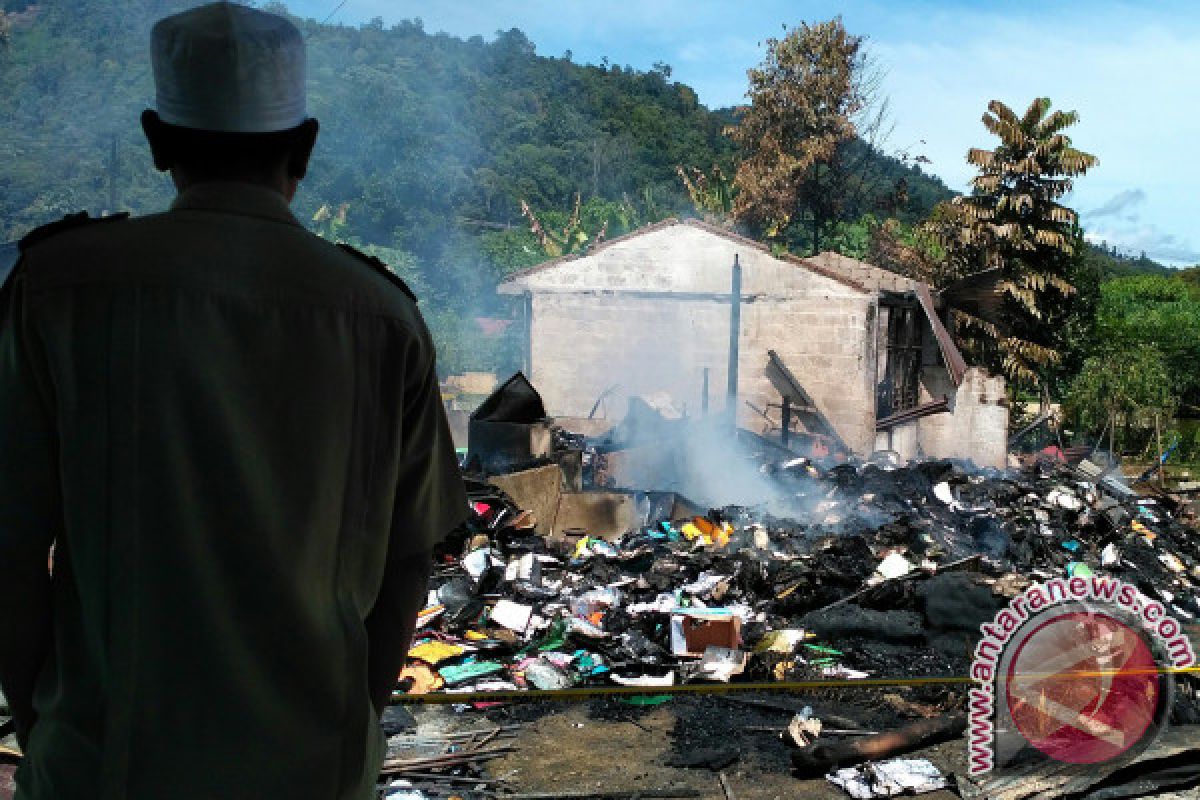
955, 363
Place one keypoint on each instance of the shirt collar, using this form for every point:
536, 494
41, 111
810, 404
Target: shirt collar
233, 197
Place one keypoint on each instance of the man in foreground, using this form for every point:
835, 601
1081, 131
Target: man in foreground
231, 433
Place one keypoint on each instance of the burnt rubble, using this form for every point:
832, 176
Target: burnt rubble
878, 570
624, 564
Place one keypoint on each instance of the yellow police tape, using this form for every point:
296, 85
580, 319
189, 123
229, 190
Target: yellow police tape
585, 693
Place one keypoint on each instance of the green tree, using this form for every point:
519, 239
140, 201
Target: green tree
1013, 222
912, 251
587, 225
433, 140
1123, 392
330, 222
712, 194
803, 100
1150, 312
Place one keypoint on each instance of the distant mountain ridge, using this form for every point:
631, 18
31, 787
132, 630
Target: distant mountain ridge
420, 131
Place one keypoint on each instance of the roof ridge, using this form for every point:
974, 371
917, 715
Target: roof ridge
595, 248
704, 225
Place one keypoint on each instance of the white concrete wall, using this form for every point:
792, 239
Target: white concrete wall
827, 340
651, 313
676, 258
976, 428
584, 343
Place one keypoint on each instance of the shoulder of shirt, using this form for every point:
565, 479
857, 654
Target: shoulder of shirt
67, 223
380, 267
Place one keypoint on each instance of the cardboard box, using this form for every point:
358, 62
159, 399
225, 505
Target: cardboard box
692, 632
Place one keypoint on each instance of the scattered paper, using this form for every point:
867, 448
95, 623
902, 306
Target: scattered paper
478, 561
942, 492
542, 674
804, 729
526, 568
842, 671
434, 651
721, 663
889, 778
894, 566
513, 616
1065, 500
1172, 562
428, 615
784, 641
645, 680
705, 583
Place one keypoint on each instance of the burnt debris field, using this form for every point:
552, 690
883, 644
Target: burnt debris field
829, 624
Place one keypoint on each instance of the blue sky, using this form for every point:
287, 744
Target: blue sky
1132, 73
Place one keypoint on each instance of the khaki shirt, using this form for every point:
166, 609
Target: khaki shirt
224, 423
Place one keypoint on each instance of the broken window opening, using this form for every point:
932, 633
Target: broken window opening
901, 386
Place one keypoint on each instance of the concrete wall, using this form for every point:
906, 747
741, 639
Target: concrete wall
651, 313
587, 342
976, 427
826, 339
676, 258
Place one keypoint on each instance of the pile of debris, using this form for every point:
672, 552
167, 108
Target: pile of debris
827, 569
879, 570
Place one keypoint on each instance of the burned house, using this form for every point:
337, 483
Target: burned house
821, 352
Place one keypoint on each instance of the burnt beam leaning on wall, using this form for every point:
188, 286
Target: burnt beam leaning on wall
802, 406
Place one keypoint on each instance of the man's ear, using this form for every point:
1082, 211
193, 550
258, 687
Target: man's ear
306, 139
156, 135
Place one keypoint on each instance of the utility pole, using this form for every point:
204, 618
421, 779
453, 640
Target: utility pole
735, 334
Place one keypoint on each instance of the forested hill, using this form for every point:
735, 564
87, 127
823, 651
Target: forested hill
428, 142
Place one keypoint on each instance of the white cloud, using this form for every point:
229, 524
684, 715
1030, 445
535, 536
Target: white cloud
1122, 204
1135, 239
1118, 223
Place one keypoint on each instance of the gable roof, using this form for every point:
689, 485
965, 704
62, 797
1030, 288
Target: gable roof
856, 275
868, 275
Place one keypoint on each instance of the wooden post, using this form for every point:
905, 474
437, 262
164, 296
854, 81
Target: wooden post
704, 395
1162, 468
787, 419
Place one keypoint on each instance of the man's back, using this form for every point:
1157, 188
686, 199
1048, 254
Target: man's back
239, 410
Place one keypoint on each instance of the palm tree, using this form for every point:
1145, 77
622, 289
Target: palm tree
1013, 222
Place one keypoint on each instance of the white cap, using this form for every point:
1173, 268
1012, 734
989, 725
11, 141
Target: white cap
226, 67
